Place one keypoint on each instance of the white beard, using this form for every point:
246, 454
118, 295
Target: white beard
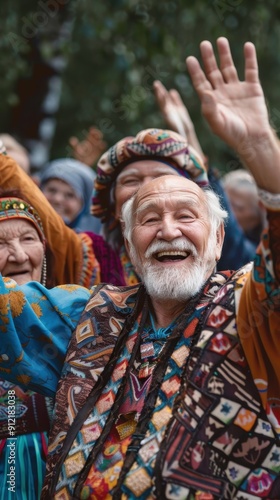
178, 282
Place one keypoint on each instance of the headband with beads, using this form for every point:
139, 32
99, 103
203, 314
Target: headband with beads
15, 208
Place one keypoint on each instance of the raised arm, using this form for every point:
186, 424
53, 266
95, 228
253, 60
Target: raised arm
237, 113
236, 110
175, 114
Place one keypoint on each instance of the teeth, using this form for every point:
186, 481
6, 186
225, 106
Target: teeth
172, 252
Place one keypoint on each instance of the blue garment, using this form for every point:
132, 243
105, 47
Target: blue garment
44, 344
22, 450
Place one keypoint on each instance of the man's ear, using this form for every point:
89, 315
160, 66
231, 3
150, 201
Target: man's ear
220, 235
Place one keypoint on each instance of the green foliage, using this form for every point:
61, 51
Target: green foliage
119, 47
13, 47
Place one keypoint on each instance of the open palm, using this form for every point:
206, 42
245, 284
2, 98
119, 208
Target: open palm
234, 109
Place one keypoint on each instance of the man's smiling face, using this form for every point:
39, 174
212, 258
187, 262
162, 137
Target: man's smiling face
172, 237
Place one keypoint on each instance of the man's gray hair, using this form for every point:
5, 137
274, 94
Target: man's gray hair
217, 215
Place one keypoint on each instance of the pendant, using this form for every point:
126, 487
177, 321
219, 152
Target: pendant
126, 429
147, 350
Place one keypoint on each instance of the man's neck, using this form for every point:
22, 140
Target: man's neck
165, 312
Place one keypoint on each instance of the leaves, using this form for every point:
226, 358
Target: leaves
119, 47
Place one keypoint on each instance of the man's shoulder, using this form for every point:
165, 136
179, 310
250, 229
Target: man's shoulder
229, 283
240, 276
224, 277
120, 298
122, 289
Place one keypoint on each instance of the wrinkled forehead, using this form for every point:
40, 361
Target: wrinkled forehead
147, 167
168, 187
18, 225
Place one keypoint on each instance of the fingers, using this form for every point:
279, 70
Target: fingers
73, 141
165, 97
211, 69
95, 139
160, 94
251, 63
226, 72
181, 108
176, 98
199, 80
159, 88
227, 66
95, 133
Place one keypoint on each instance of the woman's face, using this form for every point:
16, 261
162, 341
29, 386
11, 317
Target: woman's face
21, 251
63, 199
137, 174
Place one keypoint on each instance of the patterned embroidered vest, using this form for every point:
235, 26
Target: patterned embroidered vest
229, 449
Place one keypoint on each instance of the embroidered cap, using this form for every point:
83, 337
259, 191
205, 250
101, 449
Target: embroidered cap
150, 144
15, 208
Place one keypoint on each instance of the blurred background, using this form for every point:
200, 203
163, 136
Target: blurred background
69, 64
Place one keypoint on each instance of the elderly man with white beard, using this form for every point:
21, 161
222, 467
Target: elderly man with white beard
169, 388
174, 238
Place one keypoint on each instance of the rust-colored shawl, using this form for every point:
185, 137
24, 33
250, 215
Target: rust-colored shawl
258, 318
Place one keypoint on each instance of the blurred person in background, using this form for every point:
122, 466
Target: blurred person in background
242, 193
16, 151
68, 184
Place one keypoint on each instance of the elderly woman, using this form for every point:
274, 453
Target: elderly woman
74, 258
24, 256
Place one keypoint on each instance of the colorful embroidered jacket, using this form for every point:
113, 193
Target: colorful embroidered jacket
219, 441
204, 431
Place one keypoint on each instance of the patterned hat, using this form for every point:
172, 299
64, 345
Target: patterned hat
151, 144
15, 208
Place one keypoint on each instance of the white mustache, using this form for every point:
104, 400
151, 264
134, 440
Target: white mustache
180, 245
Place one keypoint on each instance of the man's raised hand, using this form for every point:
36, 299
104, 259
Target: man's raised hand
235, 109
